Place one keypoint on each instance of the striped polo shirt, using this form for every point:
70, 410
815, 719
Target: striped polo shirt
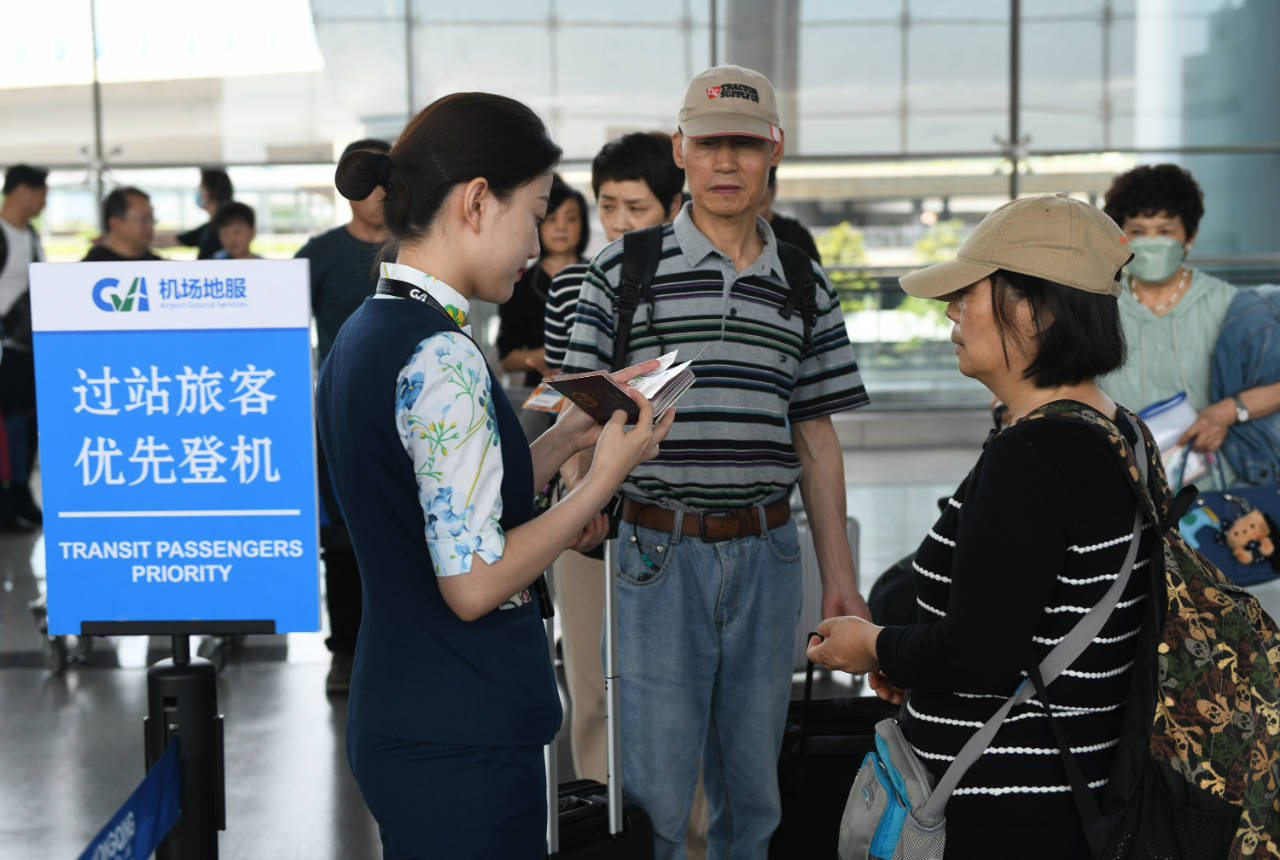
731, 444
1029, 542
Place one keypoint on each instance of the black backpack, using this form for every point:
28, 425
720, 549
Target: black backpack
641, 253
17, 322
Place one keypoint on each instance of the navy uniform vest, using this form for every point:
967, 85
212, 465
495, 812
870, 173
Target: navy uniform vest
422, 673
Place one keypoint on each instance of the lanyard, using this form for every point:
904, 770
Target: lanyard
406, 290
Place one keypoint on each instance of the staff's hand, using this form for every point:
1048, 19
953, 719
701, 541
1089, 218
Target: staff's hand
847, 643
1209, 430
619, 450
581, 428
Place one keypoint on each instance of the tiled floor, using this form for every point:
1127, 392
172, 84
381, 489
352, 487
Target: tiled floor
71, 744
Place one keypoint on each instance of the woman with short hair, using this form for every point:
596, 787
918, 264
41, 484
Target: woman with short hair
1031, 539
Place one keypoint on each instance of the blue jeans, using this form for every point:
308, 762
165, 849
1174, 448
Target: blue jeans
705, 639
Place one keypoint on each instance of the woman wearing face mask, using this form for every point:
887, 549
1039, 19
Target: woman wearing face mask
1172, 313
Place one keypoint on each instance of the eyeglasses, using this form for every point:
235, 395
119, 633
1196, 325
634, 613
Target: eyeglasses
141, 219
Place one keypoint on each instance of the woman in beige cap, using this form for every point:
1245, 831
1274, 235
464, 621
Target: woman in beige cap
1030, 540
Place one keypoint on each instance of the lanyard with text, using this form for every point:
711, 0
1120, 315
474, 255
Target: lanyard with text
405, 290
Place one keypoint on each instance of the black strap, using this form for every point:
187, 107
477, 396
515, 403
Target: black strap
406, 290
797, 268
808, 697
1086, 803
641, 254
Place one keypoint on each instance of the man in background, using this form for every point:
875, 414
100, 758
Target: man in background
25, 189
130, 225
786, 229
343, 274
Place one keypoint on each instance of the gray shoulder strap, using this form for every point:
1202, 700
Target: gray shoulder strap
1062, 656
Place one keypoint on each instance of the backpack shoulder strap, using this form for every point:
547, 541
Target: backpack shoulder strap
1158, 502
797, 268
641, 253
4, 249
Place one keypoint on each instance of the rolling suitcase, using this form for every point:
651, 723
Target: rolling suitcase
587, 820
811, 608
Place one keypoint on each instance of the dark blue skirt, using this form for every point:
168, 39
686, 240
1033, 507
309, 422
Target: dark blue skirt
444, 800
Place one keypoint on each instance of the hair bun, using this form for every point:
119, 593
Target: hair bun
360, 172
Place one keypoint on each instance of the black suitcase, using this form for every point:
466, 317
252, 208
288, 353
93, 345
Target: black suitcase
584, 825
822, 749
590, 821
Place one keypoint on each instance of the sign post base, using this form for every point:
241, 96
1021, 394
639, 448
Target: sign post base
182, 699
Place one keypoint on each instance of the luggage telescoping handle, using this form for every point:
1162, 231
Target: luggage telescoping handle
552, 763
613, 774
613, 777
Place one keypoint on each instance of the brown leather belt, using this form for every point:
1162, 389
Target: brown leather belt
709, 525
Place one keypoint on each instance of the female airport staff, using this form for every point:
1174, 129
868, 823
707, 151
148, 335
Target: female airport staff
452, 692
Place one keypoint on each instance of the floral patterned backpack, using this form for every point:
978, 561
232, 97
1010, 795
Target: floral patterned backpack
1197, 769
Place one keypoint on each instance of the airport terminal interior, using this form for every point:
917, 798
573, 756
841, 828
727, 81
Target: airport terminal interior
906, 122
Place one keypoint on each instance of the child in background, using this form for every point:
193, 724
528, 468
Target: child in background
235, 225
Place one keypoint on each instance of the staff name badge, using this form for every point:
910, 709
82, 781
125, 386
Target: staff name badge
177, 449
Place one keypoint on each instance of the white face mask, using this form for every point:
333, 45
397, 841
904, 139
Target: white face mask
1155, 258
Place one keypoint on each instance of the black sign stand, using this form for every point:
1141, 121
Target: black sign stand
182, 701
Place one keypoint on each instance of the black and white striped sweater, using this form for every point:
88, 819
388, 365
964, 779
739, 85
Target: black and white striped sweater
1029, 542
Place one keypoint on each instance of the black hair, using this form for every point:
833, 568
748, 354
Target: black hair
773, 177
117, 204
233, 211
217, 184
372, 144
643, 155
455, 139
560, 192
24, 174
1151, 189
1078, 333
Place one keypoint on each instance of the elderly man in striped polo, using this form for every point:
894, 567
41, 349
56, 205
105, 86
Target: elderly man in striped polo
708, 559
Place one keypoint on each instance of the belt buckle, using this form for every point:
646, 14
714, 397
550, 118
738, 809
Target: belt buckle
735, 513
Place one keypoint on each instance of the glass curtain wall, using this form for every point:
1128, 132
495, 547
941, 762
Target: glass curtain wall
906, 120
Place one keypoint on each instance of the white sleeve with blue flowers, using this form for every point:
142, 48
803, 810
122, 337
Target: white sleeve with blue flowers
446, 421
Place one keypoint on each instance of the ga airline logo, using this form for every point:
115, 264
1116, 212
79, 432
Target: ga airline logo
107, 296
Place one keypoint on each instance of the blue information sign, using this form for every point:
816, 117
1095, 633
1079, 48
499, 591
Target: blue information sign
177, 448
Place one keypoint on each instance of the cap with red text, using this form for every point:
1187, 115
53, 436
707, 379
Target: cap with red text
730, 100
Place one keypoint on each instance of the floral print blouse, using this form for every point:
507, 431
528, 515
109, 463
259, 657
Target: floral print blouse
446, 421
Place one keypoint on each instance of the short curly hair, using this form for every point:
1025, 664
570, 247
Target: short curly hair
1154, 188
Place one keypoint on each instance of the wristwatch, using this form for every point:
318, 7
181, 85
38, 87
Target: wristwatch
1242, 412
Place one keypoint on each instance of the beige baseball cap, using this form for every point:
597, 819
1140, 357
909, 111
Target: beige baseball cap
1053, 237
730, 100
